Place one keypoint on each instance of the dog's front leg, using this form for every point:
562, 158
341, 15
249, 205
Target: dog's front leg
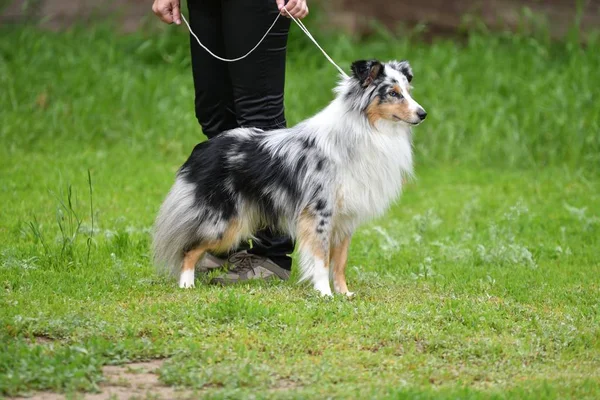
320, 276
314, 238
339, 259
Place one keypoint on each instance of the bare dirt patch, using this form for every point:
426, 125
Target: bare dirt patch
284, 384
135, 380
131, 381
41, 340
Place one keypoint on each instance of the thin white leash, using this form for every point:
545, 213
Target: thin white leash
297, 21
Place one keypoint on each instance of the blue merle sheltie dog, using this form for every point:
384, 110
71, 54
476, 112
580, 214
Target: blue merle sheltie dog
317, 181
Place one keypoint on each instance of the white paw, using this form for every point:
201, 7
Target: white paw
342, 291
323, 288
186, 279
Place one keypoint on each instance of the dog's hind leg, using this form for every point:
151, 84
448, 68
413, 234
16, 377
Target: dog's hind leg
186, 279
224, 241
314, 238
339, 259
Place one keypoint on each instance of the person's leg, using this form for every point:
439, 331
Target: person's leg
258, 86
258, 80
214, 106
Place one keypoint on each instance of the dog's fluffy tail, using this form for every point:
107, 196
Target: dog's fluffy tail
176, 227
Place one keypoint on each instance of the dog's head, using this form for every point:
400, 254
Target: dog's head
383, 91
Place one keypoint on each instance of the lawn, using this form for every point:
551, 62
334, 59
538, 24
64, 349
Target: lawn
483, 281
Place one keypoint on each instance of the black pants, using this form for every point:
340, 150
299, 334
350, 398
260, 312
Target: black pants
246, 93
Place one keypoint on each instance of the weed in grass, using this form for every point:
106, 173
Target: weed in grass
91, 232
69, 225
64, 252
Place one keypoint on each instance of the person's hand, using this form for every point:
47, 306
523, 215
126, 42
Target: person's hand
168, 11
297, 8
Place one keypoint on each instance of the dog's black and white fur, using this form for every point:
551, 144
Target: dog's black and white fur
317, 181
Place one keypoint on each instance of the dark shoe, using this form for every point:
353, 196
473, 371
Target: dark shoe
210, 262
246, 266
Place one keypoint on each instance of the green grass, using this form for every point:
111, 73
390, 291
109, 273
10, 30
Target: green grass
482, 282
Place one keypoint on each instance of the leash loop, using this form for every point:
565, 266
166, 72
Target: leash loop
229, 59
297, 21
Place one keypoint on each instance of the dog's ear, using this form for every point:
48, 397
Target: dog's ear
366, 71
403, 67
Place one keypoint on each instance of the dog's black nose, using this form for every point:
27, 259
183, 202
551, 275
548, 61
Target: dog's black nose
422, 114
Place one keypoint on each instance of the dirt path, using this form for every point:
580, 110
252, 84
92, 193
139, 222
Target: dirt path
135, 380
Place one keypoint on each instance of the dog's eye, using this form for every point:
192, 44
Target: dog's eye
393, 93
